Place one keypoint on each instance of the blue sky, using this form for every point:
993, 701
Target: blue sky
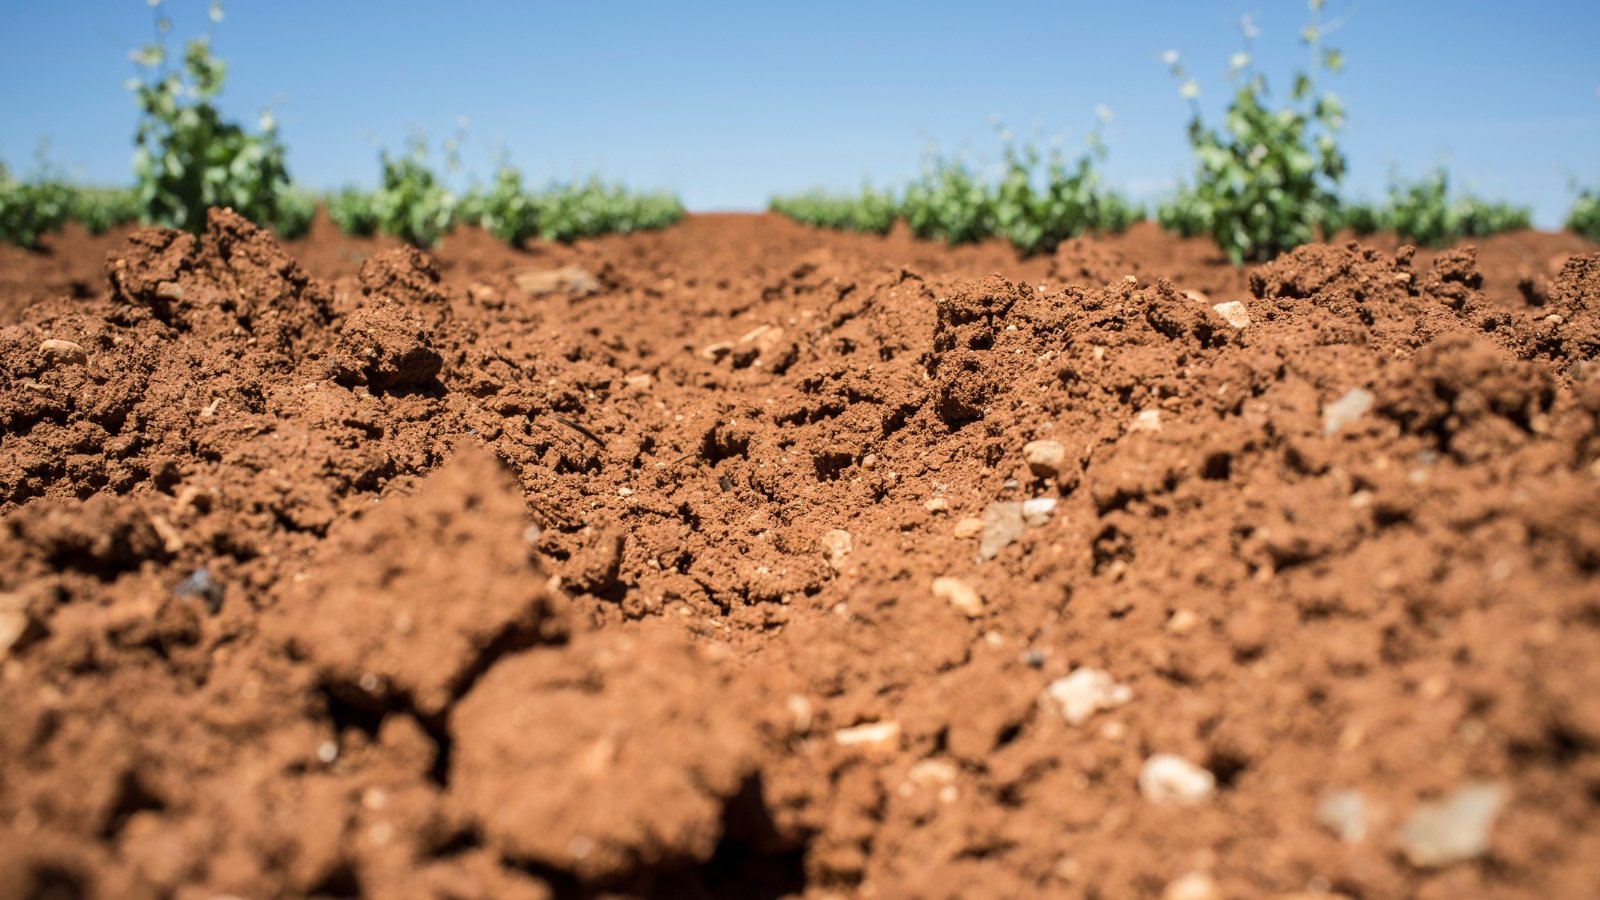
727, 103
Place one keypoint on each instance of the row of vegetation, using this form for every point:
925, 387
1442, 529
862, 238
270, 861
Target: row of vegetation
188, 157
1266, 180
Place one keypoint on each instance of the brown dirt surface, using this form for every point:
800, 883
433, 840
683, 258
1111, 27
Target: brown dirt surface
748, 560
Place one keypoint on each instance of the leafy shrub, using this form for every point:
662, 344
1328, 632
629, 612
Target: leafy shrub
1268, 178
188, 157
100, 209
296, 210
949, 202
31, 209
1037, 213
1585, 215
353, 212
1426, 211
1184, 213
506, 210
872, 211
566, 212
412, 204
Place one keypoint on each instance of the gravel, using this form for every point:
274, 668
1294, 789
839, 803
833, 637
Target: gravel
1346, 410
1454, 828
1345, 814
959, 594
1083, 693
1174, 781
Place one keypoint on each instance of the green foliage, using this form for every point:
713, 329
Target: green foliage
949, 202
1269, 176
100, 209
188, 157
31, 209
1585, 215
872, 211
1185, 213
506, 210
1427, 212
353, 211
1037, 211
296, 210
569, 211
412, 203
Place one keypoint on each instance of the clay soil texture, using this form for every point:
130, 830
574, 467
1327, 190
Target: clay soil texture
748, 560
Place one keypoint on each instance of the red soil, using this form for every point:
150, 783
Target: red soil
386, 574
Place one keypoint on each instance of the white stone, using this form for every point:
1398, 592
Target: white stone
55, 350
1083, 693
1454, 828
872, 734
836, 545
1037, 511
1235, 312
1002, 526
968, 528
1346, 410
1345, 814
1193, 886
1148, 420
936, 505
1174, 781
959, 594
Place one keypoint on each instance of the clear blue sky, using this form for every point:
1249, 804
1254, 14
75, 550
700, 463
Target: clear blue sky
727, 103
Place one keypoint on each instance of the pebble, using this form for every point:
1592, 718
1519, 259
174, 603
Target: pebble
200, 584
1345, 814
1193, 886
1454, 828
1083, 693
1149, 420
837, 544
59, 352
1198, 297
1174, 781
968, 528
959, 594
936, 505
14, 621
1002, 526
1044, 458
1037, 511
1346, 410
570, 279
1234, 312
872, 734
716, 351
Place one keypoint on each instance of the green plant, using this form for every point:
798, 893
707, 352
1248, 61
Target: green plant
1585, 215
871, 211
296, 210
188, 157
505, 210
1427, 211
31, 209
411, 203
1269, 177
948, 202
1185, 213
353, 211
566, 212
1037, 211
100, 209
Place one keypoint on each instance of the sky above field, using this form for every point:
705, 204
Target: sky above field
728, 103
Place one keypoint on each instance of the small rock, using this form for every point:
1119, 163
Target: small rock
58, 352
1174, 781
1182, 622
1346, 410
1193, 886
936, 505
836, 545
959, 594
1037, 511
1002, 526
1044, 458
932, 773
716, 351
968, 528
1083, 693
1149, 420
1198, 297
14, 621
1454, 828
571, 279
873, 734
638, 382
1345, 814
1234, 312
200, 584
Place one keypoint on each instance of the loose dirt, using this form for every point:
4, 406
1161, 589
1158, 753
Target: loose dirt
748, 560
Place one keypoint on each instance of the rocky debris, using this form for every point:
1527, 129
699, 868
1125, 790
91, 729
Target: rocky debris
1345, 411
406, 600
959, 594
1038, 510
1003, 525
836, 545
1083, 693
936, 505
1174, 781
1192, 886
1454, 828
14, 621
1148, 421
1046, 458
967, 528
554, 748
567, 279
201, 585
385, 346
1345, 814
1234, 312
874, 735
57, 352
